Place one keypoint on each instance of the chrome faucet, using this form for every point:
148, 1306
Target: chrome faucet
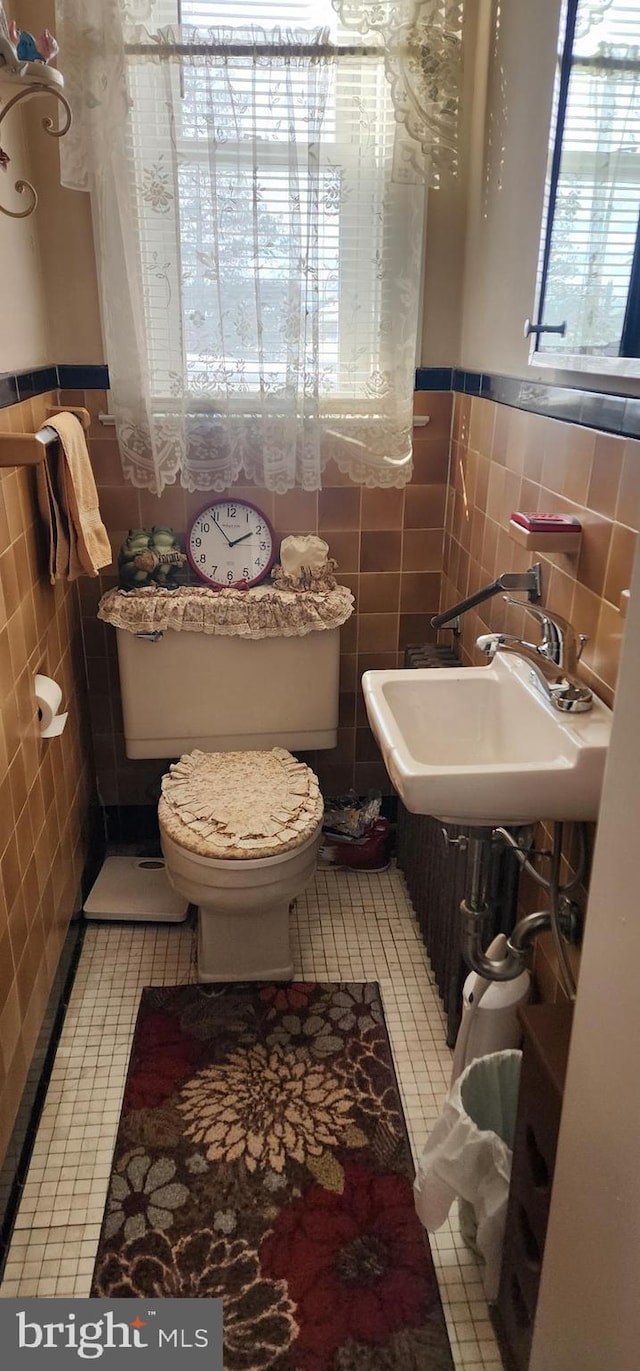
553, 660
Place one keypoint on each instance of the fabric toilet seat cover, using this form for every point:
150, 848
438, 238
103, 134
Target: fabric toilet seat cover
240, 804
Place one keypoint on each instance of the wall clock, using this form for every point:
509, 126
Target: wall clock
231, 543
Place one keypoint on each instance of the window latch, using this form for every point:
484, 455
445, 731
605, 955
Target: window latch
530, 328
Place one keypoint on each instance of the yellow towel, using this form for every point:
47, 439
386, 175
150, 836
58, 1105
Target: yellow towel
89, 548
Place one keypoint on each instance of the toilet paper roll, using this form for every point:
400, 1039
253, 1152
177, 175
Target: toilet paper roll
48, 700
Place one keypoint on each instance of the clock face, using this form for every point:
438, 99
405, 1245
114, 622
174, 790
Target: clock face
230, 543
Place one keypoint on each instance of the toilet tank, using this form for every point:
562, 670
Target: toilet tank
198, 690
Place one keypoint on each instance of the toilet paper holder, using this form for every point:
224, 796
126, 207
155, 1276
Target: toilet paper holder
48, 700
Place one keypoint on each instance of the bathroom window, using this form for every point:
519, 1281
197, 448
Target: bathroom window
259, 172
276, 206
590, 257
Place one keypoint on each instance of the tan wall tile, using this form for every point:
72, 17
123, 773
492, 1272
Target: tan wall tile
416, 628
422, 549
425, 506
620, 564
606, 472
530, 462
628, 509
378, 633
168, 510
419, 592
376, 661
430, 459
380, 551
379, 592
438, 405
339, 509
594, 552
44, 788
372, 776
382, 509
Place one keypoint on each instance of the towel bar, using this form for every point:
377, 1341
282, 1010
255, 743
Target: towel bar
27, 449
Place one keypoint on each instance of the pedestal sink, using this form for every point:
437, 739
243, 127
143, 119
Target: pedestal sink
481, 746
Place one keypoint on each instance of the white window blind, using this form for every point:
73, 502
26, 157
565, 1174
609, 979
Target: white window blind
595, 221
215, 315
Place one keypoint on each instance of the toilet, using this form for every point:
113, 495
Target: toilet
240, 818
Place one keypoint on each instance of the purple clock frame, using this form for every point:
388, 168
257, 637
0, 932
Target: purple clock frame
231, 585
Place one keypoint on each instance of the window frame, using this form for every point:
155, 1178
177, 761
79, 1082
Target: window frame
627, 363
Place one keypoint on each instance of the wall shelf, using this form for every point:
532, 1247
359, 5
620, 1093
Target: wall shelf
30, 85
542, 541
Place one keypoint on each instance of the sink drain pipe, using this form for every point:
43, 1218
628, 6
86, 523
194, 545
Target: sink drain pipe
474, 909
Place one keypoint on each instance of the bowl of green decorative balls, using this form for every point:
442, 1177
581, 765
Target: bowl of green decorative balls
152, 558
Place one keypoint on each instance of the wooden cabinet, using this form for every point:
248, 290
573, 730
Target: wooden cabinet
546, 1029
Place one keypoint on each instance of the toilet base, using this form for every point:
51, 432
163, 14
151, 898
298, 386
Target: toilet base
244, 946
243, 907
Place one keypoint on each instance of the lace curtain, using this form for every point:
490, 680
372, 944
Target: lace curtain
258, 199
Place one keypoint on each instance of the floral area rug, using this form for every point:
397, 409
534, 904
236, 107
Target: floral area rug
262, 1157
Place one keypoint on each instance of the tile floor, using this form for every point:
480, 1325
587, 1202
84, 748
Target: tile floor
346, 927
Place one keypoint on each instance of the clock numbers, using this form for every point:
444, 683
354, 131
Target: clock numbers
240, 538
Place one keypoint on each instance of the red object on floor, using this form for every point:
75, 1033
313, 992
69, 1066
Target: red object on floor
370, 853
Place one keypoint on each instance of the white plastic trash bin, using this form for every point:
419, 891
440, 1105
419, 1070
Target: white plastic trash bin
468, 1155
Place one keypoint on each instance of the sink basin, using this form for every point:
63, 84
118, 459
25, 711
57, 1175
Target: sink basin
482, 746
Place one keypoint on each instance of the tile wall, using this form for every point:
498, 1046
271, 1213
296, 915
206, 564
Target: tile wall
45, 786
505, 459
388, 545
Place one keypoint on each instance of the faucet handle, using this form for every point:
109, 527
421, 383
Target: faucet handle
560, 642
543, 616
555, 630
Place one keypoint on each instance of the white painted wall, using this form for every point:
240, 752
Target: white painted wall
63, 227
24, 341
589, 1305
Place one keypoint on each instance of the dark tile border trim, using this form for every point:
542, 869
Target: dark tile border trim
14, 1169
83, 378
30, 383
13, 1172
619, 414
8, 391
434, 378
23, 385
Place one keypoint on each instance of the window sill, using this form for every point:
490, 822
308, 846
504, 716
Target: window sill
593, 366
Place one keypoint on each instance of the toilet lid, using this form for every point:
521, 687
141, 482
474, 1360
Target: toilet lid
240, 804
